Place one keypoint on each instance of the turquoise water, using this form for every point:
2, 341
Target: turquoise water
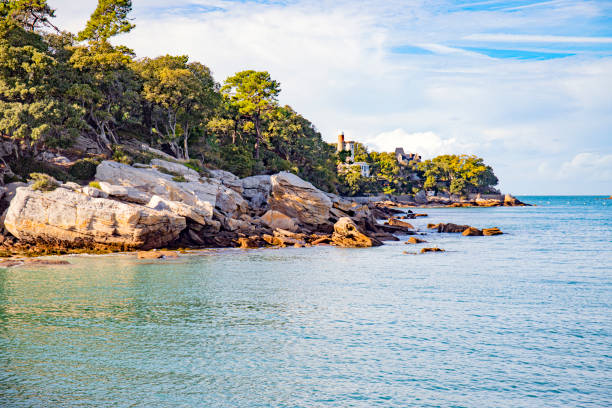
518, 320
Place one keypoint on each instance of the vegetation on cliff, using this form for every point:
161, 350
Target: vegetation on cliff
58, 87
450, 174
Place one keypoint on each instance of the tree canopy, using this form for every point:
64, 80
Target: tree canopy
253, 93
108, 19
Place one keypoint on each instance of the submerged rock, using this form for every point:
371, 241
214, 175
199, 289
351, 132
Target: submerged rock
414, 240
491, 231
346, 234
399, 223
156, 254
450, 227
425, 250
472, 232
68, 217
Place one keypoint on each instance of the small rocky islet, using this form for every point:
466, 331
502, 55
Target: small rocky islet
168, 205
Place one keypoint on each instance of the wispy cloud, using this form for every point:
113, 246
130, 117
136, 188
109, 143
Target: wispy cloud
524, 38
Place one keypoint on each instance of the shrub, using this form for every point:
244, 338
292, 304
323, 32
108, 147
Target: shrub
194, 164
95, 184
179, 179
122, 156
27, 165
43, 182
84, 169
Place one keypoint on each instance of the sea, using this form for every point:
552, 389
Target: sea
522, 319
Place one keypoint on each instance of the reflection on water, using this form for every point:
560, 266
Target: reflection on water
517, 320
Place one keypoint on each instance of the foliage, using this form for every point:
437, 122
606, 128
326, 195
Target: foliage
95, 184
194, 164
181, 97
33, 109
84, 169
238, 159
106, 88
24, 166
458, 174
29, 14
179, 179
108, 20
122, 156
298, 147
252, 94
43, 182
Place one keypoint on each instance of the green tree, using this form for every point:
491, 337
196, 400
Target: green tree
254, 93
29, 14
458, 174
108, 19
183, 97
106, 88
295, 140
33, 108
458, 186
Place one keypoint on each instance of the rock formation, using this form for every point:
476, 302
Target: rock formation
73, 218
346, 234
414, 240
299, 199
167, 204
472, 232
491, 231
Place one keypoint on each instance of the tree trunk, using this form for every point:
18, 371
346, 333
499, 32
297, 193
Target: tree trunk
185, 147
257, 137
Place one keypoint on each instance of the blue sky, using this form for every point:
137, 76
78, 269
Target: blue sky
527, 85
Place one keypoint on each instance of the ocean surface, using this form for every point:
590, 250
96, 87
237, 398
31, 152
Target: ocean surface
518, 320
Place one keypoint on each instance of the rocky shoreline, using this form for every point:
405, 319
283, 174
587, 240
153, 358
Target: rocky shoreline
166, 205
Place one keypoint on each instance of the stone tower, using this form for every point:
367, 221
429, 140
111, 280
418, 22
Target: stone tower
340, 146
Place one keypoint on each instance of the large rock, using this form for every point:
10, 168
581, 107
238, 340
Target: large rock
399, 223
299, 199
346, 234
276, 219
257, 189
176, 168
230, 201
123, 193
68, 217
228, 179
182, 209
512, 201
152, 182
421, 197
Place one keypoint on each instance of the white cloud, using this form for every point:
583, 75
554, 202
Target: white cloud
582, 167
427, 144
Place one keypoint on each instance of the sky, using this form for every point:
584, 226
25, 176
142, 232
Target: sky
526, 85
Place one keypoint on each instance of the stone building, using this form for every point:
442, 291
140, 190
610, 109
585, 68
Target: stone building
405, 158
348, 146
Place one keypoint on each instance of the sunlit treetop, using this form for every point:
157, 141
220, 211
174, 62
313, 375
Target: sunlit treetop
109, 19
